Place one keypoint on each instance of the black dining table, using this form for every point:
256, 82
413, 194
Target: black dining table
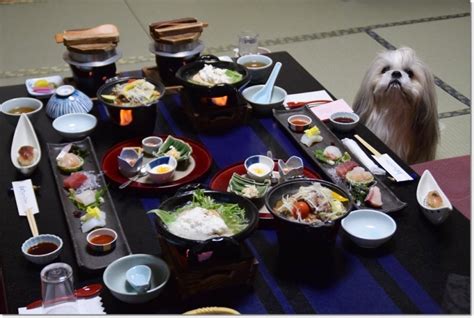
423, 269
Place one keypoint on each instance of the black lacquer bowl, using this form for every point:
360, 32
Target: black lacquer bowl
296, 236
212, 244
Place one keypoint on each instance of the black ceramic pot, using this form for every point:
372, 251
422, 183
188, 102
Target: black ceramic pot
187, 71
217, 244
297, 237
129, 116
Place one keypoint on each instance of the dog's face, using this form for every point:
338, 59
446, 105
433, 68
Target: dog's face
399, 76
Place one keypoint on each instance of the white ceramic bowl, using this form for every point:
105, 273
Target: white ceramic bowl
257, 73
277, 99
427, 184
151, 144
259, 167
350, 121
74, 126
157, 176
28, 102
116, 281
42, 238
369, 228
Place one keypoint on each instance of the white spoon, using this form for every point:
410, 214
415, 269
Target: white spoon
264, 95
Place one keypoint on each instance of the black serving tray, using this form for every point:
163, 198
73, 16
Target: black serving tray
391, 202
85, 259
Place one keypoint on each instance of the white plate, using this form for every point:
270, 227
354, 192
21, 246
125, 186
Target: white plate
56, 79
25, 136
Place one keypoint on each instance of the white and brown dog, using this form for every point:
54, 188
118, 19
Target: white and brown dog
397, 102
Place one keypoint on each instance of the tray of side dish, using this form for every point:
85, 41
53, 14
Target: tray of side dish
337, 163
87, 203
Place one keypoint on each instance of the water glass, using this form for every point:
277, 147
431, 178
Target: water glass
57, 289
248, 43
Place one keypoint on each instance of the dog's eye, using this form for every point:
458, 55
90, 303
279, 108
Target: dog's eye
386, 68
409, 73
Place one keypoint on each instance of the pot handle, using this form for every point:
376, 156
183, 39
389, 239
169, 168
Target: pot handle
209, 58
191, 187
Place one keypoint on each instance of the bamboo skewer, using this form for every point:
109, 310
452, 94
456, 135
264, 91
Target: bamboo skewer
368, 146
32, 222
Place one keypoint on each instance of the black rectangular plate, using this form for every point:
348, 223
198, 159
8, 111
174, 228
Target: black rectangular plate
84, 258
391, 202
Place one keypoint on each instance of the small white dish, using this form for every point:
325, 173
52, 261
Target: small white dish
151, 144
427, 184
54, 82
161, 170
293, 167
25, 136
75, 126
369, 228
344, 121
139, 277
37, 241
130, 161
259, 167
14, 104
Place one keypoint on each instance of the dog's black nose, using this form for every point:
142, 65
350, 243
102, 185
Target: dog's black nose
396, 74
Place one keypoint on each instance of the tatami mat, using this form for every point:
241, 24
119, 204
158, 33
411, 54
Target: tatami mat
330, 38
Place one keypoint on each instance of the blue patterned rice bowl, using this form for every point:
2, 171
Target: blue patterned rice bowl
68, 100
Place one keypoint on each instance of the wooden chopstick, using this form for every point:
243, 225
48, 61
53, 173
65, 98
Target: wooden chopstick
32, 222
368, 146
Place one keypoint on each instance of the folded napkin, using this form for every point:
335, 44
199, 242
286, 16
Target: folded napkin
360, 154
324, 111
87, 306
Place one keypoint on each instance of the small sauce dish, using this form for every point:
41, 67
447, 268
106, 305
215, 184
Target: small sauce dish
344, 121
102, 240
139, 277
151, 144
298, 123
161, 170
259, 168
42, 249
130, 161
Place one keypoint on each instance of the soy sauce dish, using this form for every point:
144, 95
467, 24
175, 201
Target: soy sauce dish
344, 121
101, 240
298, 123
42, 249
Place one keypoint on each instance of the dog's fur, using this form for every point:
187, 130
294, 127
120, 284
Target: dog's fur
397, 102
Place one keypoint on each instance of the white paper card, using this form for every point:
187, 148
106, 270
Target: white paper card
393, 168
25, 196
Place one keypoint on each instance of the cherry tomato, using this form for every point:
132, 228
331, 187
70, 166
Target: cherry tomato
301, 207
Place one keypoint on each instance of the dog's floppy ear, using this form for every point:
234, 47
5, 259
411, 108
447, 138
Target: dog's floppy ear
364, 100
426, 120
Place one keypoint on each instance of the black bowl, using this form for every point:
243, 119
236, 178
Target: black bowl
212, 244
294, 235
140, 114
187, 71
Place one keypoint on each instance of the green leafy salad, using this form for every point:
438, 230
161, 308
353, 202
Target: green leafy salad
204, 218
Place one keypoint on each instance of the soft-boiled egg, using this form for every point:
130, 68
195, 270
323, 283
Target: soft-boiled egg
259, 169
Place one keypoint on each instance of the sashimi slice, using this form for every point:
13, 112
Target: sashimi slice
74, 181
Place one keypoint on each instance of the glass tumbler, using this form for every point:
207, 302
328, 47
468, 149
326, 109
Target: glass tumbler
248, 43
57, 289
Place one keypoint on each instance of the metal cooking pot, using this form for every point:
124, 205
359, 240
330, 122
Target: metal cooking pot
183, 197
187, 71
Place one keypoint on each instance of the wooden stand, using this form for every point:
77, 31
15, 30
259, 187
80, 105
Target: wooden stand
193, 278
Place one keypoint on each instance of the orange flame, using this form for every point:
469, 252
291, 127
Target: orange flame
126, 117
220, 101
